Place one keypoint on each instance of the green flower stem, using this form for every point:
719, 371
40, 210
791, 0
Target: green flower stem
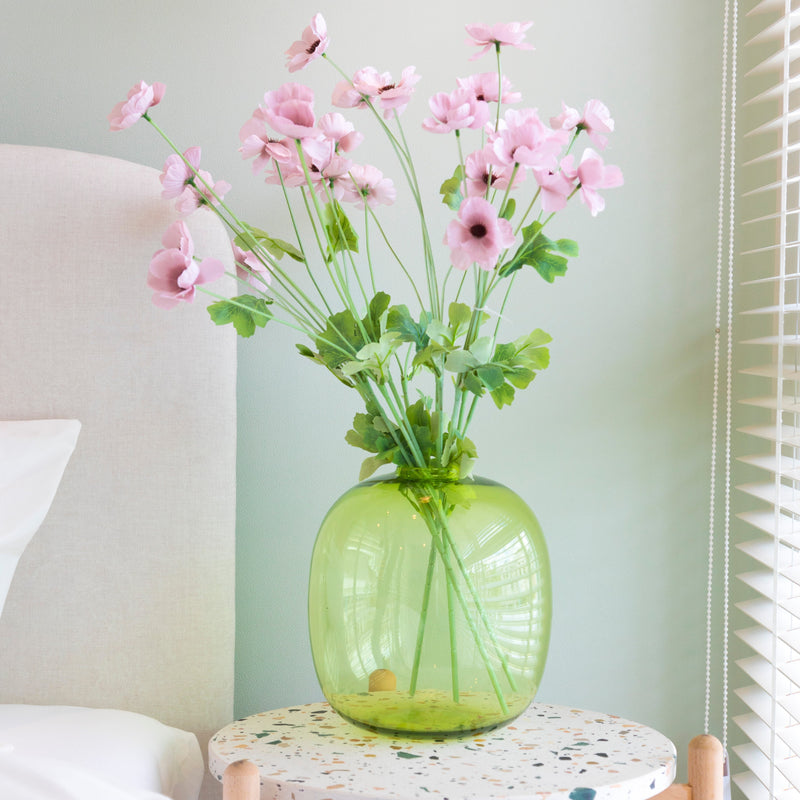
299, 240
423, 617
396, 257
437, 524
479, 605
368, 249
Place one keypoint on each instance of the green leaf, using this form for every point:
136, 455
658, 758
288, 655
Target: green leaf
451, 189
547, 257
252, 237
377, 308
503, 395
341, 234
491, 376
399, 319
341, 340
244, 312
370, 464
460, 361
507, 211
458, 315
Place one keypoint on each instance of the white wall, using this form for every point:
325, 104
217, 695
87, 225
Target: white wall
609, 448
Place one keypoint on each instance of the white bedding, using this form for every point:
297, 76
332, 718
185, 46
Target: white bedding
71, 753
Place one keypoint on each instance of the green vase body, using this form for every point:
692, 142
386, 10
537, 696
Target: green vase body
429, 604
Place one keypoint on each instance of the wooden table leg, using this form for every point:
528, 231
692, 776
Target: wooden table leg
240, 781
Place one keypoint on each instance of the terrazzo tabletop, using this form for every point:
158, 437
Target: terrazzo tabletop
549, 752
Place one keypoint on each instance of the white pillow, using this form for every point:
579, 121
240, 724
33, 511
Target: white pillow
33, 456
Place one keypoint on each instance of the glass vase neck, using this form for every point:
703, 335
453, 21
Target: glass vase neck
436, 474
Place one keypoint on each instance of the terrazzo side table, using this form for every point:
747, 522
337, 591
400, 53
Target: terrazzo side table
547, 753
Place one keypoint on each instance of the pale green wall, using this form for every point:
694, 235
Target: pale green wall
610, 448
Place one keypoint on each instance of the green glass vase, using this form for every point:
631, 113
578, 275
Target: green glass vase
429, 604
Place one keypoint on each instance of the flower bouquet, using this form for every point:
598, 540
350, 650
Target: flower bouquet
419, 367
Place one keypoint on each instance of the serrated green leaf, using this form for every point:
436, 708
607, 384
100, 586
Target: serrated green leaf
460, 361
503, 395
341, 340
547, 257
399, 319
482, 349
439, 333
245, 312
458, 315
491, 376
473, 383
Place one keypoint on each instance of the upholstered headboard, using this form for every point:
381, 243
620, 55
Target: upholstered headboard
125, 596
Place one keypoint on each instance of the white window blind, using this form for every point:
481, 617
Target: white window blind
767, 763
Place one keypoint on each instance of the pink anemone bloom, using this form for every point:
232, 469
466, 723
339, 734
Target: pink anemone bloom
459, 109
478, 235
595, 120
511, 34
174, 272
177, 173
483, 171
205, 190
311, 45
250, 269
393, 96
556, 187
290, 110
524, 139
486, 86
345, 95
140, 97
335, 127
367, 184
188, 183
592, 174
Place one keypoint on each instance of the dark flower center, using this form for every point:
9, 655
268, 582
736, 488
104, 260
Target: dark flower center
311, 48
387, 87
478, 230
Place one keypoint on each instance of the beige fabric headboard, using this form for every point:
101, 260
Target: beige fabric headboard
125, 597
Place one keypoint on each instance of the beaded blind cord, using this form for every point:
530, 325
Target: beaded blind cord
726, 177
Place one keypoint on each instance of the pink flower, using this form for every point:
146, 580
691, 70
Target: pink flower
511, 34
203, 190
311, 45
459, 109
336, 128
478, 235
345, 95
141, 97
188, 183
368, 184
250, 269
177, 173
524, 139
483, 171
257, 144
327, 169
173, 270
486, 86
290, 110
596, 121
556, 187
592, 174
393, 96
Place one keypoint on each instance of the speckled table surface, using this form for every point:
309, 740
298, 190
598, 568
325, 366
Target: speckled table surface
549, 752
